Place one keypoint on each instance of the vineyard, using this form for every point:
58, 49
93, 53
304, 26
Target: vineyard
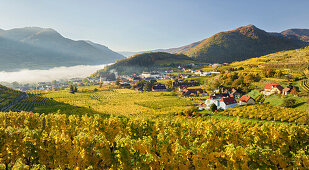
127, 129
29, 103
305, 85
7, 96
260, 98
265, 112
123, 102
72, 142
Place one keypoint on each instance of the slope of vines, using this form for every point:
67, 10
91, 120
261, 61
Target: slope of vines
28, 104
305, 85
265, 112
72, 142
7, 96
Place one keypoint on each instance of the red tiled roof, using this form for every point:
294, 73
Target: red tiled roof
271, 86
244, 98
228, 100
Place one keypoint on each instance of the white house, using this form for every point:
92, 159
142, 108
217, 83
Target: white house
205, 74
221, 102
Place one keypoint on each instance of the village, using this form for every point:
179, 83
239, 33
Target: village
184, 83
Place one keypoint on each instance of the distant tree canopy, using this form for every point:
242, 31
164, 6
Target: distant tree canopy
146, 62
73, 89
148, 86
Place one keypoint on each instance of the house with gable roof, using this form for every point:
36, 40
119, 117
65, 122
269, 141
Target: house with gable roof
270, 89
244, 100
220, 101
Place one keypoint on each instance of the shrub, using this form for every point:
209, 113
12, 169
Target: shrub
289, 103
213, 107
190, 111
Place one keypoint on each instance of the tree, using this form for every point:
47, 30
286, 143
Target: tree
278, 74
148, 86
213, 107
289, 102
249, 78
269, 73
117, 82
71, 88
238, 82
215, 84
190, 111
169, 85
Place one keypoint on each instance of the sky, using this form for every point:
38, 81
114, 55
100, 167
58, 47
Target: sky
138, 25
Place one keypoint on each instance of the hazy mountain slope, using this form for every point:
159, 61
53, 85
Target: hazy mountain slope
105, 50
127, 53
170, 50
39, 48
146, 62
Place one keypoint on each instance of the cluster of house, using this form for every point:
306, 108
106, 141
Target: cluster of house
226, 96
271, 89
224, 102
190, 92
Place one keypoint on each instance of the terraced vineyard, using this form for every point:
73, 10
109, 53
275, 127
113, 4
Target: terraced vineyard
266, 112
260, 98
305, 85
8, 96
29, 103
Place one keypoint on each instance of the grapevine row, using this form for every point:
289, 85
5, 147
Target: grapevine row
71, 142
305, 85
266, 112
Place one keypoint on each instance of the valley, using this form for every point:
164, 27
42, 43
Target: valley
164, 111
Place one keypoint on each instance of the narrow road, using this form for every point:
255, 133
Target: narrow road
14, 102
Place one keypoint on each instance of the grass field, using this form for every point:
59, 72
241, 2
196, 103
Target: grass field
277, 100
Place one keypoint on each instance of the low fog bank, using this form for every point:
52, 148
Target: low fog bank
56, 73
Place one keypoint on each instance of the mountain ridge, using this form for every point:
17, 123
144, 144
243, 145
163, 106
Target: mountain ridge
221, 47
43, 48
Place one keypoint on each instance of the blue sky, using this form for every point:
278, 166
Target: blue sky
136, 25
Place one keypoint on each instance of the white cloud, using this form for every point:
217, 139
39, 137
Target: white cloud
56, 73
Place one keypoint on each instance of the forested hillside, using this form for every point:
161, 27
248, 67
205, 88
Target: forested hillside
152, 61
